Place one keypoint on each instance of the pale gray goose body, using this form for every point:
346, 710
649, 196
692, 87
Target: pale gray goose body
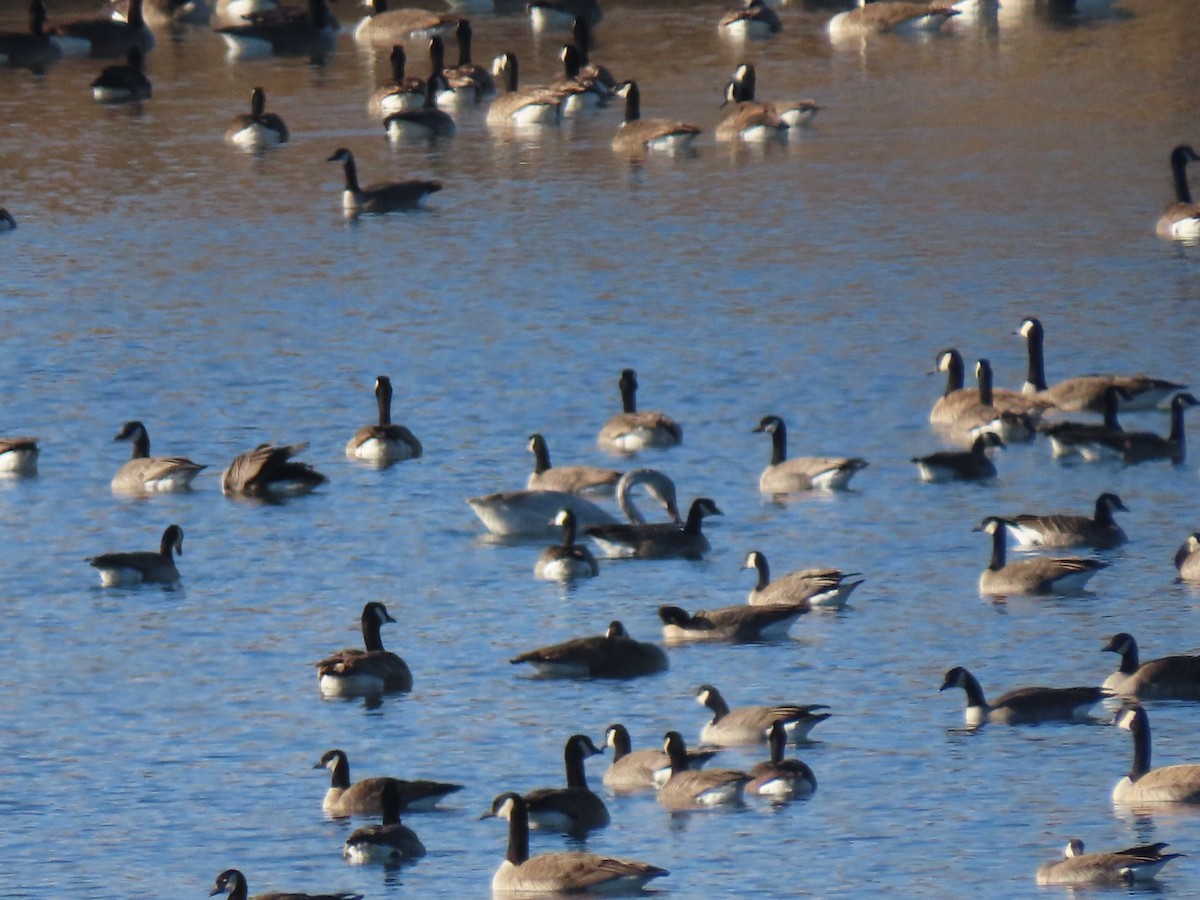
1166, 678
283, 31
743, 86
519, 107
531, 513
123, 83
687, 788
143, 567
1099, 530
613, 654
370, 671
1180, 220
1133, 864
403, 92
574, 479
365, 797
1187, 558
810, 588
1023, 706
1144, 785
383, 441
146, 474
801, 473
749, 120
387, 843
642, 769
1043, 575
755, 19
630, 430
427, 121
1144, 446
751, 724
890, 15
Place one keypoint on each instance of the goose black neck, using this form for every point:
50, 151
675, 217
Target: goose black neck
340, 775
351, 170
1129, 659
1103, 515
764, 572
258, 104
629, 388
135, 17
971, 685
633, 103
1112, 403
319, 13
717, 704
620, 743
370, 631
1179, 161
518, 832
389, 800
779, 443
568, 530
1176, 435
463, 33
1036, 374
37, 19
955, 374
141, 444
573, 758
398, 63
511, 73
999, 547
383, 401
581, 34
777, 740
437, 56
983, 374
695, 519
541, 456
166, 546
746, 85
677, 754
571, 63
1140, 728
237, 886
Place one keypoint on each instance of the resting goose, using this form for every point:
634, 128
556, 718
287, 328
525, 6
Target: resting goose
559, 873
531, 513
142, 567
268, 472
383, 441
517, 107
737, 624
1167, 678
426, 122
365, 797
809, 588
637, 135
581, 93
636, 769
1180, 220
385, 27
144, 473
388, 843
403, 93
1064, 530
123, 84
750, 724
755, 19
890, 15
1187, 558
801, 473
1166, 784
1024, 706
367, 672
574, 809
257, 129
742, 88
960, 465
233, 883
959, 403
18, 455
779, 778
382, 197
691, 789
574, 479
1011, 424
629, 430
102, 37
568, 560
1113, 867
471, 82
613, 654
32, 49
1143, 446
582, 33
659, 540
1044, 575
1088, 440
749, 120
283, 31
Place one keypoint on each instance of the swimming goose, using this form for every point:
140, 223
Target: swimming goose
1166, 784
574, 479
613, 654
958, 401
738, 624
1187, 558
383, 441
568, 560
629, 430
637, 135
659, 540
1064, 530
1086, 391
890, 15
100, 37
18, 455
750, 120
617, 539
402, 93
1016, 422
1167, 678
1044, 575
268, 472
144, 473
32, 49
574, 809
385, 27
1024, 706
142, 567
635, 769
1088, 440
755, 19
1180, 220
809, 588
780, 778
257, 129
581, 94
122, 84
582, 33
367, 672
1114, 866
470, 82
382, 197
1143, 446
233, 883
426, 122
531, 106
744, 85
559, 14
801, 473
559, 873
7, 222
365, 797
697, 789
531, 513
750, 724
283, 31
960, 465
388, 843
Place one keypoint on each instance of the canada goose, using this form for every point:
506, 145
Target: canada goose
1187, 558
629, 430
531, 106
1064, 530
613, 654
801, 473
531, 513
581, 94
809, 588
1167, 678
365, 797
635, 769
33, 49
387, 843
268, 472
163, 13
755, 19
7, 222
18, 455
101, 37
1086, 392
574, 809
402, 92
122, 84
1143, 446
742, 88
958, 402
739, 624
574, 479
750, 120
382, 197
233, 883
1044, 575
471, 82
1015, 420
426, 122
779, 778
890, 15
660, 540
582, 33
1180, 220
637, 135
749, 724
283, 31
383, 442
622, 538
545, 15
144, 473
385, 27
142, 567
568, 560
1114, 866
559, 873
697, 789
1089, 440
370, 671
960, 465
1166, 784
1024, 706
257, 129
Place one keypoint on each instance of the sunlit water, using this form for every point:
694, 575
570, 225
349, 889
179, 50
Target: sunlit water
951, 187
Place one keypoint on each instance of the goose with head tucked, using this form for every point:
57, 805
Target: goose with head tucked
574, 479
637, 135
18, 455
383, 441
898, 16
1166, 678
1187, 558
388, 843
630, 430
960, 465
1133, 864
124, 83
146, 474
559, 873
142, 567
1181, 220
102, 37
33, 49
381, 197
641, 769
808, 588
426, 122
755, 19
801, 473
370, 671
1023, 706
687, 788
734, 624
574, 809
257, 129
521, 107
1044, 575
402, 93
531, 513
233, 883
780, 778
613, 654
384, 27
751, 724
659, 540
1144, 785
749, 120
568, 560
1090, 441
269, 472
365, 797
283, 31
1099, 530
